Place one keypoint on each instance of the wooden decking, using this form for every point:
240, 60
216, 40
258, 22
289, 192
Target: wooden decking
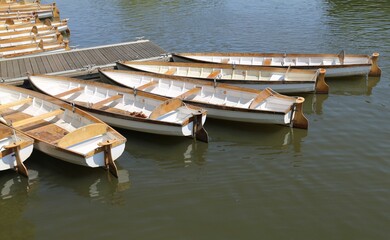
76, 62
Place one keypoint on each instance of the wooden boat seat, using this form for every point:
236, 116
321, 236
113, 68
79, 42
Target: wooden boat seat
107, 100
171, 71
4, 132
15, 103
189, 93
145, 86
46, 131
37, 118
214, 74
82, 134
260, 98
165, 107
74, 90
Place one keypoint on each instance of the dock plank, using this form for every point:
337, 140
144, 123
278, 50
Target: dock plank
10, 69
27, 64
22, 68
41, 67
34, 66
97, 56
54, 63
3, 69
46, 65
59, 63
63, 62
15, 66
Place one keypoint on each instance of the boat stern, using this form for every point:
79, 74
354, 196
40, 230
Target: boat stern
321, 86
299, 120
375, 71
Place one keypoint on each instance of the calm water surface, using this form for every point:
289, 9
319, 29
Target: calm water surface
249, 182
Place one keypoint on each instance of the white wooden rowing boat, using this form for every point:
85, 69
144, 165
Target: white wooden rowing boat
34, 48
15, 148
32, 32
125, 108
23, 5
35, 29
61, 26
336, 65
10, 21
61, 130
279, 79
50, 38
222, 101
29, 14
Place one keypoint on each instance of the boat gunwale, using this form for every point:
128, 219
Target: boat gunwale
125, 91
209, 105
26, 140
219, 65
119, 138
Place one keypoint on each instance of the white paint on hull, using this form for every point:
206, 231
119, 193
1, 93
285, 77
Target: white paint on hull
9, 161
97, 160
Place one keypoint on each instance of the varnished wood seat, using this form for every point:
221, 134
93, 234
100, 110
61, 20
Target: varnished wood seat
171, 71
71, 91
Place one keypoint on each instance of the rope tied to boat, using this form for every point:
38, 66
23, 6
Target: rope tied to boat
89, 68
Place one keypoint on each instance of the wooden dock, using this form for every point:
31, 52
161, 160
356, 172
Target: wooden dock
78, 62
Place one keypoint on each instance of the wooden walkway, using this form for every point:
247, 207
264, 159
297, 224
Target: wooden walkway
76, 62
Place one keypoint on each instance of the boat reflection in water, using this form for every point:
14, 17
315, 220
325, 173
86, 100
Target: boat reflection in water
264, 136
12, 185
314, 103
356, 85
15, 192
85, 182
169, 152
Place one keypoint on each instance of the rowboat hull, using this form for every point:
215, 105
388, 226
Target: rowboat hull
246, 116
94, 161
126, 109
61, 27
14, 147
278, 79
9, 161
221, 102
290, 88
143, 126
60, 130
336, 65
34, 48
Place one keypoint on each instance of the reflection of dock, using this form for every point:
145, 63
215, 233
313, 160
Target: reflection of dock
78, 62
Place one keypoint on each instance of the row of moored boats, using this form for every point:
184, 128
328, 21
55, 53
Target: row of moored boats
73, 120
31, 28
